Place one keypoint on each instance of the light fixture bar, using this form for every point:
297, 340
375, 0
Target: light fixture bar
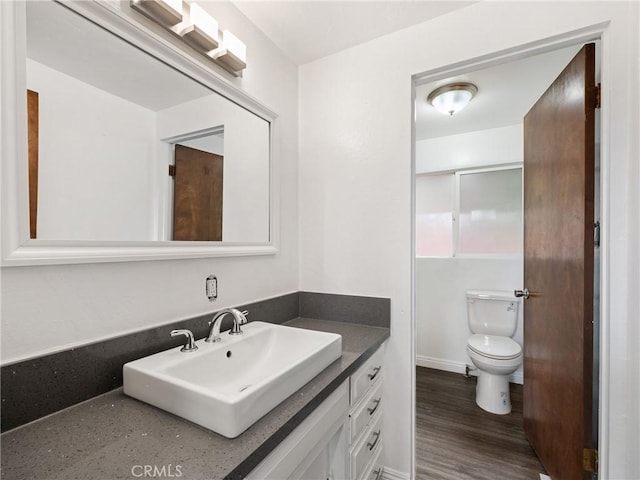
165, 12
198, 29
232, 53
201, 32
226, 57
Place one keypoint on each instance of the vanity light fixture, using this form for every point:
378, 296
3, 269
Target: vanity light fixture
451, 98
201, 32
232, 52
191, 23
165, 12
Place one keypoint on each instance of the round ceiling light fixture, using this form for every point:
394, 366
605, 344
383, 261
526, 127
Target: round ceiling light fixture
452, 98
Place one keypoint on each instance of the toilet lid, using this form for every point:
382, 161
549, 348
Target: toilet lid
493, 346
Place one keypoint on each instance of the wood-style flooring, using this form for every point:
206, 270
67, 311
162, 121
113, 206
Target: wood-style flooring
457, 440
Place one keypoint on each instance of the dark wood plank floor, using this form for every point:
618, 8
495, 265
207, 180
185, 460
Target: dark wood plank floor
457, 440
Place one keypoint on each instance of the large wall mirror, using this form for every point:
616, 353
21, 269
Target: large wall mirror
128, 155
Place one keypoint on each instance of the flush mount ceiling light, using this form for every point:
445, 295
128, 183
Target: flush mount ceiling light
452, 98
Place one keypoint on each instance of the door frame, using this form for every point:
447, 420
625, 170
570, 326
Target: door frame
163, 223
584, 35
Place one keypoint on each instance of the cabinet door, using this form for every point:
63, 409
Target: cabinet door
330, 462
324, 428
319, 468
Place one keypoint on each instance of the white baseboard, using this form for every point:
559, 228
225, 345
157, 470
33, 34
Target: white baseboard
457, 367
440, 364
391, 474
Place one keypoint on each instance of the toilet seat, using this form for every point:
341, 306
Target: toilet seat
493, 346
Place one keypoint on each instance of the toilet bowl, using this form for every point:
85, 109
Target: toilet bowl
495, 358
492, 317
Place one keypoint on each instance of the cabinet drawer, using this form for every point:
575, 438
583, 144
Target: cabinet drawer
366, 375
366, 448
373, 471
368, 409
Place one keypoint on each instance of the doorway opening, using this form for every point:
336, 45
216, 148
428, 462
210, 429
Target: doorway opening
485, 137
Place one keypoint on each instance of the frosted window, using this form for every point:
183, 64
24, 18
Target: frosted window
434, 210
491, 212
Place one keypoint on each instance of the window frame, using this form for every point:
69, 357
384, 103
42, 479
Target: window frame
457, 173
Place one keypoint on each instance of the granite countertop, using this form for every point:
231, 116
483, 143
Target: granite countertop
117, 437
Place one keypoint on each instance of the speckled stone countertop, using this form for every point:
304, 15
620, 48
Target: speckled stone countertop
117, 437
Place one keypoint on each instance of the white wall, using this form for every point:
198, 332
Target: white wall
50, 308
245, 193
494, 146
441, 308
355, 186
89, 142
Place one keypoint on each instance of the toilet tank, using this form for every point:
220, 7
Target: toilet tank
492, 312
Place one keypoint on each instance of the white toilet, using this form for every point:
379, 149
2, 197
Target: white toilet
492, 317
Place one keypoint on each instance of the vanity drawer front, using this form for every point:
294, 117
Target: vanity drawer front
366, 375
373, 471
366, 448
368, 410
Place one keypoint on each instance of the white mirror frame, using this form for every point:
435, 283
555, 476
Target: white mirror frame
17, 248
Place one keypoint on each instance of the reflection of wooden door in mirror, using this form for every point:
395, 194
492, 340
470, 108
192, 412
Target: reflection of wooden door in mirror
32, 145
197, 195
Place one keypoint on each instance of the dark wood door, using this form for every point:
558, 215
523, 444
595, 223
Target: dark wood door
197, 195
558, 268
33, 142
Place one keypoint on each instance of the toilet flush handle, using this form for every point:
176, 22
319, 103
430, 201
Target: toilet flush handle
522, 293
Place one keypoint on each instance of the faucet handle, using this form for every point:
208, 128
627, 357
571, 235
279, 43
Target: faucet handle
239, 318
190, 345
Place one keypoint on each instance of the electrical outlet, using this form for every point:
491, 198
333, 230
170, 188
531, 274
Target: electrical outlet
211, 288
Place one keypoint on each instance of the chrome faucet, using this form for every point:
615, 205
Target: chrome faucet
239, 318
190, 344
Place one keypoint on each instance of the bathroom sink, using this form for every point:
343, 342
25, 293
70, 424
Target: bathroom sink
228, 385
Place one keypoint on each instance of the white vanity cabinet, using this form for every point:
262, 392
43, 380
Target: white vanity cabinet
340, 440
365, 419
316, 448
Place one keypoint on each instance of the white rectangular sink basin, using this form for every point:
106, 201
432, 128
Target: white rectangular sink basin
227, 386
